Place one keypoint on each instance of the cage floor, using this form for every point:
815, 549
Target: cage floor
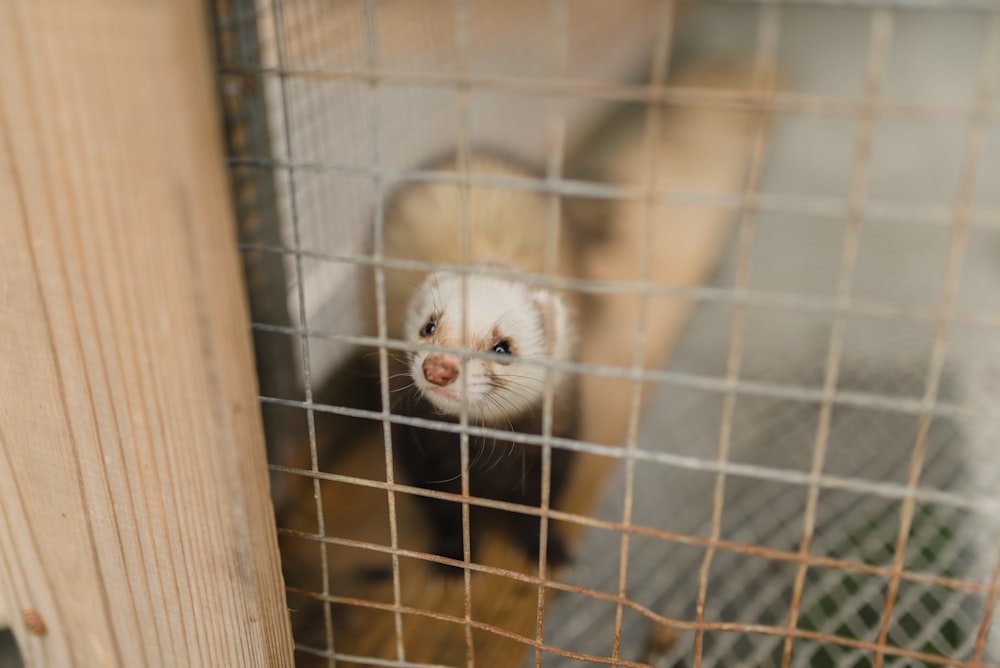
903, 263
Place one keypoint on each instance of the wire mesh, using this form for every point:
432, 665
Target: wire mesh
812, 478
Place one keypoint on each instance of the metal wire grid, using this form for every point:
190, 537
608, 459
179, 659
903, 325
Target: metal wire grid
911, 488
864, 443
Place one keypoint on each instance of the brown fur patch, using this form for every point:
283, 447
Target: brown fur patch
496, 335
450, 337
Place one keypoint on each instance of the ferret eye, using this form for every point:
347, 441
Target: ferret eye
502, 347
428, 328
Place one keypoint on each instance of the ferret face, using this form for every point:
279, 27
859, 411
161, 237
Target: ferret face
510, 320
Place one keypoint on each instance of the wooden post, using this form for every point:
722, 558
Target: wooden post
135, 522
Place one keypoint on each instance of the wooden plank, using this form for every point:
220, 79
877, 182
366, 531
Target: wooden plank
135, 519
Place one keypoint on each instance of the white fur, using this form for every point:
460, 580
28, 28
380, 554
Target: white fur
535, 321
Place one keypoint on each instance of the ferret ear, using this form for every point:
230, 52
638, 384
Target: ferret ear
552, 314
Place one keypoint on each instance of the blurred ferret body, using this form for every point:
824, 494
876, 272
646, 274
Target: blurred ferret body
508, 325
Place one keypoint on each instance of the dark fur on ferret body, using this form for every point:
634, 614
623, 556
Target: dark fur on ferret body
499, 469
505, 227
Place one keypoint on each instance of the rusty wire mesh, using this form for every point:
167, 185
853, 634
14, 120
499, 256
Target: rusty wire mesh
815, 479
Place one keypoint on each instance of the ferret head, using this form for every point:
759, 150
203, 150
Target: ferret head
515, 322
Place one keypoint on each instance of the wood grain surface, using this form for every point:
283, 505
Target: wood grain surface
135, 523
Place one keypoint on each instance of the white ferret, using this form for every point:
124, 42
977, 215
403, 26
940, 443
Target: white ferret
503, 317
510, 321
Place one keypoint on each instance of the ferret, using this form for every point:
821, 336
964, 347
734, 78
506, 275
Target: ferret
508, 321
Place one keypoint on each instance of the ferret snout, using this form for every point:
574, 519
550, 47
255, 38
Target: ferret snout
440, 370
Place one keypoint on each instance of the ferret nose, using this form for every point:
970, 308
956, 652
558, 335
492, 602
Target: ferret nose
440, 370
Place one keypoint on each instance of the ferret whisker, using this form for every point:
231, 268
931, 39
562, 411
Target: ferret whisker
431, 294
521, 376
416, 439
475, 460
432, 297
453, 478
507, 396
518, 386
481, 452
505, 407
492, 462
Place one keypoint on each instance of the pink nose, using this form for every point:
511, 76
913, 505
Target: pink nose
440, 370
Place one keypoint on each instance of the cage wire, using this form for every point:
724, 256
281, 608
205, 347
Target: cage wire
814, 480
